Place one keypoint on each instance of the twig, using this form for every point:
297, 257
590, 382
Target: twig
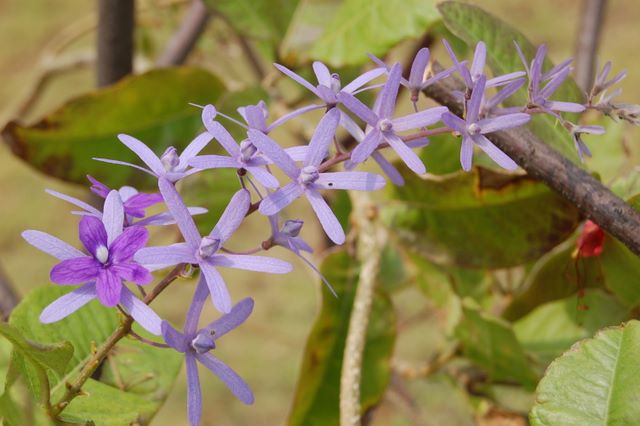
74, 389
371, 239
588, 36
184, 40
114, 40
590, 197
8, 296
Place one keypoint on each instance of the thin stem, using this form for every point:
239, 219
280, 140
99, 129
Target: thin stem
371, 240
587, 39
252, 251
184, 40
147, 341
74, 389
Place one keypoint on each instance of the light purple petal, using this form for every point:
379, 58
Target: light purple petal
166, 218
196, 306
274, 152
180, 213
389, 93
280, 199
464, 72
232, 216
297, 78
557, 69
503, 94
166, 255
354, 105
51, 245
594, 130
194, 395
564, 106
225, 139
143, 151
535, 72
299, 244
251, 263
214, 162
393, 173
502, 122
359, 181
502, 159
98, 188
407, 155
363, 79
264, 177
466, 153
65, 305
322, 73
143, 314
234, 382
132, 272
239, 314
351, 126
280, 121
92, 233
194, 149
473, 107
128, 243
322, 138
501, 80
554, 84
113, 216
327, 219
124, 163
418, 67
423, 118
454, 122
75, 202
479, 57
173, 337
108, 287
363, 150
217, 288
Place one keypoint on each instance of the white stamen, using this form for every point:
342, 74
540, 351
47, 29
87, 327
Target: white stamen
102, 254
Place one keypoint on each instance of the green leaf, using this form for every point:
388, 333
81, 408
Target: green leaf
152, 107
10, 412
482, 219
594, 383
492, 344
472, 24
372, 26
144, 374
552, 328
307, 24
317, 395
621, 270
442, 156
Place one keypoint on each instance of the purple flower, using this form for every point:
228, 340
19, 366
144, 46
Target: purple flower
308, 180
134, 202
417, 82
492, 106
601, 85
576, 131
170, 165
203, 251
384, 127
471, 76
109, 262
473, 129
196, 345
539, 96
329, 85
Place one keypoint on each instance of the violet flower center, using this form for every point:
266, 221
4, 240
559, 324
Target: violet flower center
208, 246
309, 174
170, 159
473, 128
203, 342
385, 125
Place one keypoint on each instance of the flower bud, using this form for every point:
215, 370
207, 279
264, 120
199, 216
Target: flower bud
292, 228
309, 174
208, 246
170, 159
203, 342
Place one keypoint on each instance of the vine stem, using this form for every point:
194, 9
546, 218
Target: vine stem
370, 243
74, 389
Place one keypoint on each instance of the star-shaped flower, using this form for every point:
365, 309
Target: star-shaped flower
308, 180
197, 344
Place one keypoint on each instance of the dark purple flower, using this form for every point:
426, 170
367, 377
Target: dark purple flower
110, 261
473, 129
204, 251
169, 165
196, 345
308, 180
384, 126
329, 85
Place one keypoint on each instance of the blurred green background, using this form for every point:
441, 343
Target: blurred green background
267, 350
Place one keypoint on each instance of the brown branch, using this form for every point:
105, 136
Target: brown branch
8, 296
184, 40
114, 40
588, 36
591, 198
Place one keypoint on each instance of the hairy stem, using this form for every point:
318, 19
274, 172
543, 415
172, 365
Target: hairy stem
75, 388
371, 239
590, 197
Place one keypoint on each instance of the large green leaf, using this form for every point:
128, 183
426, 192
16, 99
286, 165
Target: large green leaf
317, 395
482, 219
594, 383
144, 374
621, 270
372, 26
152, 107
472, 24
552, 328
492, 344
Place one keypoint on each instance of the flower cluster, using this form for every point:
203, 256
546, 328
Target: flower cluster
115, 237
